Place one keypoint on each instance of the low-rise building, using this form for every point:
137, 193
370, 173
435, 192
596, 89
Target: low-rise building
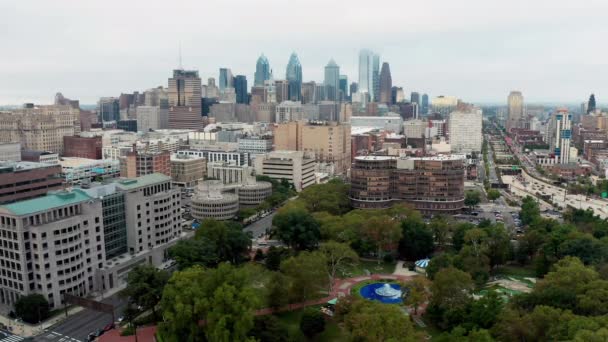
24, 180
10, 151
210, 201
82, 147
255, 144
293, 166
187, 170
83, 170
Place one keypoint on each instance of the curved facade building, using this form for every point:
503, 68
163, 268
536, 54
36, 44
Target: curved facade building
254, 194
431, 185
209, 202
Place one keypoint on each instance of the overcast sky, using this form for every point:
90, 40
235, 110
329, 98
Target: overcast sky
478, 50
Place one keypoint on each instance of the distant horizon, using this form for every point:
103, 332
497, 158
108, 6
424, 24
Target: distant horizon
476, 50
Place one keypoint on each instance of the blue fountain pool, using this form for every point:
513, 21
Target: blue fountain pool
382, 292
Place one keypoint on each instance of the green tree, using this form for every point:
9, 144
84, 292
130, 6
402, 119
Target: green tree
439, 262
376, 322
440, 226
458, 234
493, 194
190, 252
472, 198
297, 228
529, 210
268, 328
338, 256
275, 256
418, 292
331, 197
485, 311
312, 322
277, 290
145, 286
451, 289
308, 273
417, 239
498, 244
459, 334
231, 242
383, 232
32, 308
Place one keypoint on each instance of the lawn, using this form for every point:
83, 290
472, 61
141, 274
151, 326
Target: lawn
365, 266
291, 319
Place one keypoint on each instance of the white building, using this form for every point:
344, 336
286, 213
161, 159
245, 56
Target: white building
255, 144
393, 123
148, 118
292, 166
561, 135
289, 111
465, 131
83, 170
10, 151
414, 129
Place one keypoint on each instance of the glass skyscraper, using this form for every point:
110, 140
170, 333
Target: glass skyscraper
369, 74
262, 71
240, 88
294, 77
226, 79
332, 81
344, 87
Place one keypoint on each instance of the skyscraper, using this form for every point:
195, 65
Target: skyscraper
226, 79
108, 109
386, 83
262, 71
343, 87
353, 88
516, 109
465, 131
591, 104
240, 87
560, 134
185, 100
366, 82
294, 77
415, 97
376, 78
332, 80
424, 106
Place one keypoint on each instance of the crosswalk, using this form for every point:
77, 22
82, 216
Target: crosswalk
11, 338
60, 337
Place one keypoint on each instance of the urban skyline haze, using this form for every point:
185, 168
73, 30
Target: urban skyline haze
476, 50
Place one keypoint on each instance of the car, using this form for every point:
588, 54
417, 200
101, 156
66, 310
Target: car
120, 319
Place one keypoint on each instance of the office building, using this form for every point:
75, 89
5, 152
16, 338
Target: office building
24, 180
255, 144
226, 79
393, 123
128, 125
136, 164
227, 173
44, 157
415, 97
294, 77
211, 202
465, 131
293, 166
376, 77
515, 103
187, 170
83, 171
366, 73
344, 95
213, 156
332, 81
309, 92
82, 147
431, 185
560, 134
424, 105
151, 118
10, 151
240, 87
262, 71
386, 84
414, 129
281, 91
184, 95
397, 95
289, 111
108, 109
39, 128
327, 142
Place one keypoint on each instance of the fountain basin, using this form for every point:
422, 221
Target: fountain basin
383, 292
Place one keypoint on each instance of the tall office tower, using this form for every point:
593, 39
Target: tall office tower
515, 103
465, 131
386, 84
282, 90
366, 70
397, 95
560, 135
211, 90
415, 97
185, 110
108, 109
591, 104
344, 87
240, 87
226, 79
294, 77
376, 77
353, 88
262, 71
424, 105
308, 92
332, 81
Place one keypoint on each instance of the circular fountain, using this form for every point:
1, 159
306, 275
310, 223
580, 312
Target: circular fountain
382, 292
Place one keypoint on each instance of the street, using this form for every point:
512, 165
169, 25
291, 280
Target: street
259, 227
78, 326
6, 336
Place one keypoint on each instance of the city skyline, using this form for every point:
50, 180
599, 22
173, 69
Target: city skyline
492, 48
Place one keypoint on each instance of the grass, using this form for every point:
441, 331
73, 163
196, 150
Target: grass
369, 265
291, 320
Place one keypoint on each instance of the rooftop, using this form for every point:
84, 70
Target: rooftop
134, 183
22, 166
52, 200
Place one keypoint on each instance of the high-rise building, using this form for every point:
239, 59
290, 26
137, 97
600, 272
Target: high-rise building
262, 71
591, 104
226, 79
108, 109
376, 77
353, 88
289, 111
151, 118
515, 103
415, 97
429, 184
309, 92
424, 105
386, 84
444, 105
294, 77
185, 100
332, 81
366, 73
344, 95
397, 95
240, 87
329, 141
281, 90
465, 131
560, 134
